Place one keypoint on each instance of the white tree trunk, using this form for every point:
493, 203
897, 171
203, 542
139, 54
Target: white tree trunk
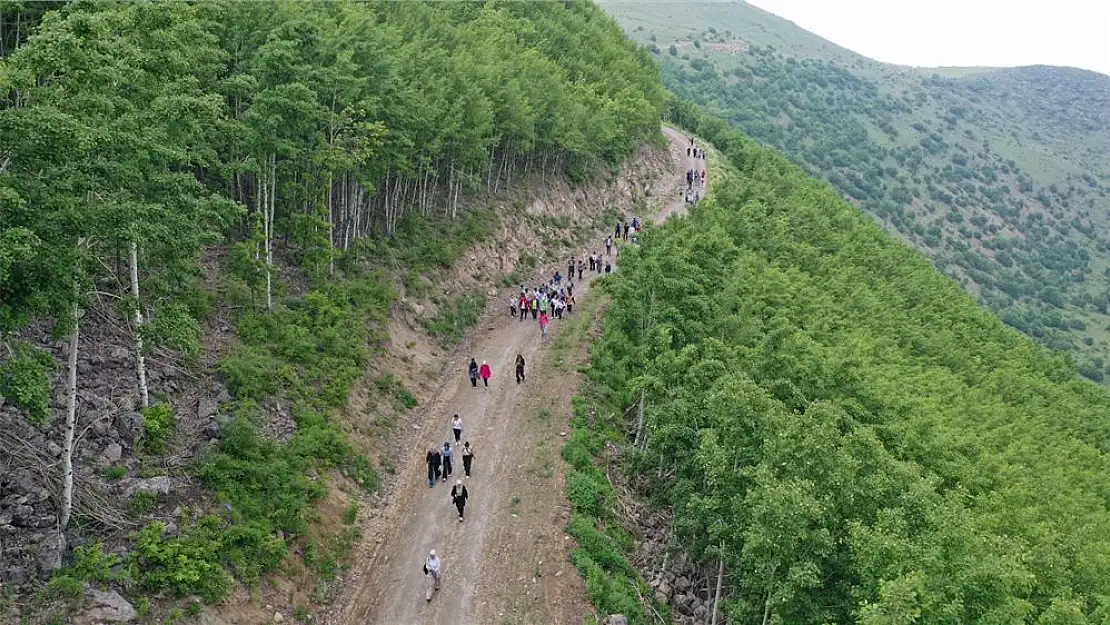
720, 576
71, 424
140, 360
268, 220
640, 419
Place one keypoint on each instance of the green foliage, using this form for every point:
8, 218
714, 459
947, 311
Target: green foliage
249, 373
832, 409
158, 426
63, 587
115, 473
25, 379
185, 565
350, 513
91, 564
455, 317
584, 493
403, 399
141, 503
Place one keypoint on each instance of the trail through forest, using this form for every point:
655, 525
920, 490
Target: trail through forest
507, 561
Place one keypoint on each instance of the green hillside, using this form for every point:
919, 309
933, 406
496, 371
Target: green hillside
853, 436
1002, 176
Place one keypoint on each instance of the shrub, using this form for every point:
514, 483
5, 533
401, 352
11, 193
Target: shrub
452, 321
583, 493
141, 503
91, 564
158, 426
25, 379
115, 472
249, 373
350, 515
186, 565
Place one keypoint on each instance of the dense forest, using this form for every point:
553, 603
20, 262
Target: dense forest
837, 421
277, 162
982, 171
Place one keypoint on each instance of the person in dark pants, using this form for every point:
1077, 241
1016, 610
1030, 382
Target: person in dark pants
446, 460
473, 373
458, 496
456, 427
468, 458
519, 368
433, 460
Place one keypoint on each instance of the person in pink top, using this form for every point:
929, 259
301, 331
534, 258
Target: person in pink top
543, 324
484, 373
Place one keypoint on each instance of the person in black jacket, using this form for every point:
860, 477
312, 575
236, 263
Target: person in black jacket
446, 453
519, 368
433, 460
473, 373
458, 496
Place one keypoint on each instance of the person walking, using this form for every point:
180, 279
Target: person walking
570, 269
433, 460
447, 468
473, 373
431, 567
519, 370
456, 427
608, 246
617, 230
459, 496
484, 373
543, 324
468, 458
581, 265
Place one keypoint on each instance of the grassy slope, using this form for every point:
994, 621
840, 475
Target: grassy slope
998, 196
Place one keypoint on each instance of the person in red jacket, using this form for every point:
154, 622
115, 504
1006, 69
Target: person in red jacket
484, 373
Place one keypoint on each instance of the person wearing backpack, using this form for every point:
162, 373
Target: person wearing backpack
468, 458
519, 369
473, 373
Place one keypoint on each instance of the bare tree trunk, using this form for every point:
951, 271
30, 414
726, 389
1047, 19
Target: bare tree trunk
640, 419
71, 423
268, 219
770, 595
720, 576
331, 229
140, 360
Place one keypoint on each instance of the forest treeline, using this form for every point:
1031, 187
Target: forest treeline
842, 424
275, 161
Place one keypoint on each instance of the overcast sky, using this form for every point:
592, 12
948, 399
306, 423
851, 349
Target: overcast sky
929, 33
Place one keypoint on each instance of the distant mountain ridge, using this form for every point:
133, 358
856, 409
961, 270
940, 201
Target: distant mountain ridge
1000, 175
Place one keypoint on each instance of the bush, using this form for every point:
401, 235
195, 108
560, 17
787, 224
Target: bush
141, 503
91, 564
25, 379
583, 493
158, 426
249, 373
115, 472
452, 321
186, 565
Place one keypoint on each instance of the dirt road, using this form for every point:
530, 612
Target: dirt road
511, 544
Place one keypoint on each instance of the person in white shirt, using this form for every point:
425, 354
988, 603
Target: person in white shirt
431, 567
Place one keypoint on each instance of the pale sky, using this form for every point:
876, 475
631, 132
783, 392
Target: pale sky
930, 33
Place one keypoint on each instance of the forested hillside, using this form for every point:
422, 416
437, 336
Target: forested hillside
851, 434
1000, 176
206, 210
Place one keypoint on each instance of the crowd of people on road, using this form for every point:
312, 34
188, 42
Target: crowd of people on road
554, 299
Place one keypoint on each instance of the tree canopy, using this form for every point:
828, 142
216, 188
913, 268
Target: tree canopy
858, 437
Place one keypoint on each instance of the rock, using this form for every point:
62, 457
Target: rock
126, 403
664, 589
113, 452
161, 485
15, 575
120, 354
212, 430
130, 426
278, 617
681, 583
100, 427
206, 407
43, 521
615, 619
50, 555
171, 529
22, 515
106, 607
6, 517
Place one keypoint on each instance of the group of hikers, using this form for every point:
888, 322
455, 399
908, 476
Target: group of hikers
694, 175
556, 297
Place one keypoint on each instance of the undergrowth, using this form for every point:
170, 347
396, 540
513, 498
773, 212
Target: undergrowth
601, 555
